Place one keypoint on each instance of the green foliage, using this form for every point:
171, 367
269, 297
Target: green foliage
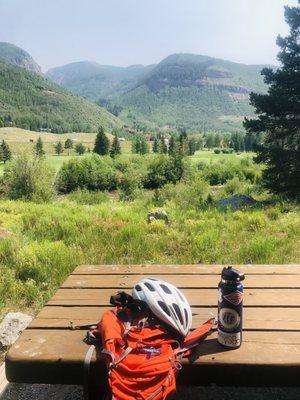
140, 145
80, 149
90, 172
219, 173
69, 145
31, 102
39, 148
163, 169
278, 115
84, 196
155, 145
58, 147
5, 151
115, 147
29, 178
101, 143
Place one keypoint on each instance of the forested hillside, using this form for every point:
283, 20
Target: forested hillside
12, 54
95, 81
192, 91
196, 92
29, 101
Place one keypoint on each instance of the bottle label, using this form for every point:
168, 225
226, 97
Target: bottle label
229, 339
235, 297
229, 318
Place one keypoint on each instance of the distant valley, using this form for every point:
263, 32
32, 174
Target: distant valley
196, 92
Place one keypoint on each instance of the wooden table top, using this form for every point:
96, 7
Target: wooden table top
49, 352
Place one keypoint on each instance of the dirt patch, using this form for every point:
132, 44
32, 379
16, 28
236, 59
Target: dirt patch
4, 233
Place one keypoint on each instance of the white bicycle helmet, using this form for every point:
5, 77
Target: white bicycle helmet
166, 302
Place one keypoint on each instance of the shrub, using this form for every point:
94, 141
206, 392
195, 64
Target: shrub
164, 169
129, 185
29, 178
217, 151
84, 196
91, 172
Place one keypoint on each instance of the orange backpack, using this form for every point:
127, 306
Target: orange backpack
142, 356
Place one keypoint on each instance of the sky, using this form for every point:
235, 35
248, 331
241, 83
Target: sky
125, 32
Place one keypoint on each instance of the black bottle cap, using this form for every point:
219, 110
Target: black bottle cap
232, 274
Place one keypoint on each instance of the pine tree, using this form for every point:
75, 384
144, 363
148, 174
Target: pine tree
5, 151
58, 147
69, 145
101, 143
155, 145
80, 149
278, 114
115, 147
163, 148
172, 146
39, 148
183, 142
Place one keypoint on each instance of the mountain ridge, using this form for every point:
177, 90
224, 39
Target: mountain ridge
15, 55
188, 90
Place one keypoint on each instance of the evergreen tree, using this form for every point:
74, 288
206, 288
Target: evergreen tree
115, 147
278, 114
163, 148
155, 145
144, 148
172, 146
80, 149
39, 148
58, 147
183, 142
5, 151
191, 146
101, 143
69, 145
140, 145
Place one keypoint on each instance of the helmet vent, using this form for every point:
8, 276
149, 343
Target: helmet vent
166, 289
178, 313
164, 307
186, 314
177, 310
150, 287
138, 288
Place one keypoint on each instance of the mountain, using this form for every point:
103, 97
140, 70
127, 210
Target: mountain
195, 92
184, 90
11, 54
95, 81
29, 101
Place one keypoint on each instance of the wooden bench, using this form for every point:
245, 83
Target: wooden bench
49, 352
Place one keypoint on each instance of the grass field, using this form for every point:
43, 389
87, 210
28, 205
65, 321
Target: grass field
49, 240
44, 242
19, 139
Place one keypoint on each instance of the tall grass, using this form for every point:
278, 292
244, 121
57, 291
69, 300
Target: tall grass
51, 239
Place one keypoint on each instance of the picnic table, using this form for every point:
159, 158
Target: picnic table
50, 352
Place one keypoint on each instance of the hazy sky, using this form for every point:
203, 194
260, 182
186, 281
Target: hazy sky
124, 32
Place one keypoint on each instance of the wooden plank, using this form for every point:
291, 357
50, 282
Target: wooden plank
190, 269
196, 297
181, 281
3, 380
275, 319
56, 356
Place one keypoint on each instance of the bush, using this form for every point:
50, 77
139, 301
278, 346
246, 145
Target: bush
29, 178
84, 196
164, 169
219, 173
217, 151
92, 172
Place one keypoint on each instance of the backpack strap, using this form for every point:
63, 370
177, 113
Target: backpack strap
115, 361
86, 370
